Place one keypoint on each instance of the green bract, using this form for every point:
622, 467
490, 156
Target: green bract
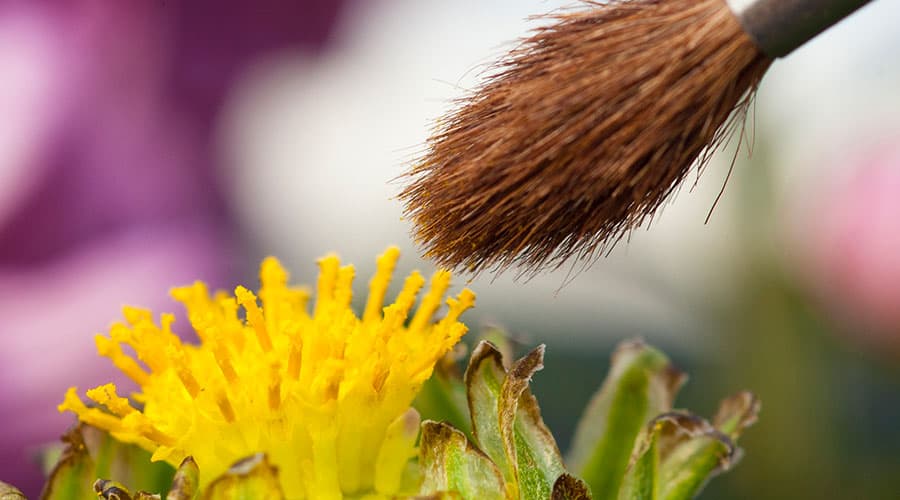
482, 438
92, 454
628, 445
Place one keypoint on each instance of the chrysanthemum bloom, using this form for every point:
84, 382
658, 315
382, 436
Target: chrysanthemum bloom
326, 395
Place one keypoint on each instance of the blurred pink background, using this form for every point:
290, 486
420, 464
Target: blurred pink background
848, 237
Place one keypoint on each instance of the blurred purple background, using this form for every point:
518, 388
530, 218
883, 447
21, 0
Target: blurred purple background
109, 192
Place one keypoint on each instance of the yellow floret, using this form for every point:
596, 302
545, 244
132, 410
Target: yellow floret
326, 395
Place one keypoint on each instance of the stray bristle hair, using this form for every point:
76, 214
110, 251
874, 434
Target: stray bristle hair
581, 132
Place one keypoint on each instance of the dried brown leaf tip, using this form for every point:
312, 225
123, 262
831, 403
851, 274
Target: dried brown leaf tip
580, 133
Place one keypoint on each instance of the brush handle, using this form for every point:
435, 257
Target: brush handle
780, 26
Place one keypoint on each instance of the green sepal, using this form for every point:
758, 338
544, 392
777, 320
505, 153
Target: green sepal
185, 486
678, 452
688, 464
507, 422
91, 453
500, 340
641, 384
441, 495
737, 413
186, 483
484, 380
10, 492
250, 478
641, 481
673, 458
453, 468
568, 487
538, 460
73, 476
113, 490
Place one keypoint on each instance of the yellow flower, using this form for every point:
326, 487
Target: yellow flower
326, 395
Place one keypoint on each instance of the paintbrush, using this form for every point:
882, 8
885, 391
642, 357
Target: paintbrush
582, 131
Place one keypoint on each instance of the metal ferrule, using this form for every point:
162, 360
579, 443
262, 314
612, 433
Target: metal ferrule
780, 26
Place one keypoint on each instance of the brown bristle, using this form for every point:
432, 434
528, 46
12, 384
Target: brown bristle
581, 132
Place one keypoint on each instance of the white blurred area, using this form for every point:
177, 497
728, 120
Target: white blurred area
312, 145
834, 96
30, 56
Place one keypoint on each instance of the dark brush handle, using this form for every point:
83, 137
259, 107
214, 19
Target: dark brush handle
780, 26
